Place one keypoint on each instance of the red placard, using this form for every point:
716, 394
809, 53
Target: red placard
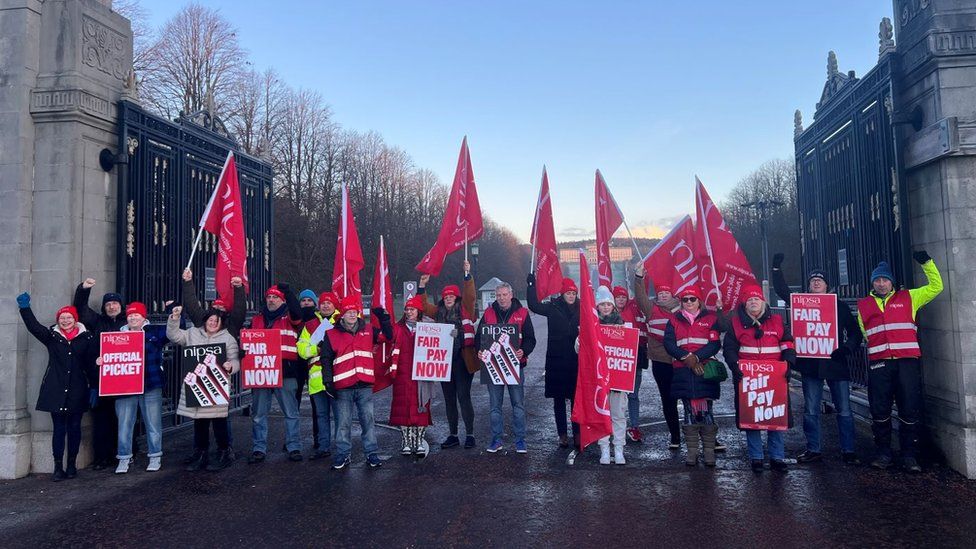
620, 347
123, 363
261, 367
813, 321
763, 395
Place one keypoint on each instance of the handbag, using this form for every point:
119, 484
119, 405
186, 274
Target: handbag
715, 371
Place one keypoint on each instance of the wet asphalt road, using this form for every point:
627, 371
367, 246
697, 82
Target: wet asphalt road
463, 497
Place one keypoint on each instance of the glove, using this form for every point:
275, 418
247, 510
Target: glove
530, 279
380, 313
92, 398
778, 260
283, 286
840, 354
922, 257
23, 300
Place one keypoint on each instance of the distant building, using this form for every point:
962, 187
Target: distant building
622, 259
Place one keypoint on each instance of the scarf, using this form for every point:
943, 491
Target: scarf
271, 316
70, 334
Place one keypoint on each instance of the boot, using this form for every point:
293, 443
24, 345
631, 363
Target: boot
618, 455
199, 462
58, 474
422, 447
709, 434
604, 454
692, 437
405, 450
71, 471
223, 461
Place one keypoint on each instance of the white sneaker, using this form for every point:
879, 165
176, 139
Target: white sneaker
123, 466
604, 455
406, 450
423, 449
154, 464
618, 455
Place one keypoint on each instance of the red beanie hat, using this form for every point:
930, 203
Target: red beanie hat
330, 297
752, 291
274, 291
350, 303
136, 308
619, 291
416, 302
691, 291
67, 309
569, 286
662, 288
451, 290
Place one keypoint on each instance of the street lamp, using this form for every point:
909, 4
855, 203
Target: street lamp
474, 256
762, 207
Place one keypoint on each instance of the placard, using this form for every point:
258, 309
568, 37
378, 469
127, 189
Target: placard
763, 395
123, 363
206, 383
432, 352
620, 345
501, 341
813, 321
261, 366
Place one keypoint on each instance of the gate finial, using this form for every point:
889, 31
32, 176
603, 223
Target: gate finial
797, 123
886, 42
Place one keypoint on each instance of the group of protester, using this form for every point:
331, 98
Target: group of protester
341, 356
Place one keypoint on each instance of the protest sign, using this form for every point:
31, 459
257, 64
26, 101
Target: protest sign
206, 383
620, 346
763, 395
432, 352
261, 367
501, 341
123, 363
813, 321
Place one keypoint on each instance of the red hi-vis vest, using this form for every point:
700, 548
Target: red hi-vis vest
289, 337
519, 316
353, 361
768, 347
658, 322
891, 333
694, 336
631, 313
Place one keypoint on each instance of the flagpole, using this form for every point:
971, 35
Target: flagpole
465, 240
345, 213
206, 211
632, 239
535, 224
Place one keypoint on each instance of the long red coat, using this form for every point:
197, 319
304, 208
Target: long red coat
404, 408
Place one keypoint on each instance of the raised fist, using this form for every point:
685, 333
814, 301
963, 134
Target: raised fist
88, 283
236, 282
177, 311
467, 266
424, 279
639, 269
187, 275
922, 257
778, 260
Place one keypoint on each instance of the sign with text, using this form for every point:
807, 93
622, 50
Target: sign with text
432, 352
813, 321
763, 395
501, 342
206, 383
123, 362
261, 367
620, 344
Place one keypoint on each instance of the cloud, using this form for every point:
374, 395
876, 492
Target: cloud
576, 233
655, 228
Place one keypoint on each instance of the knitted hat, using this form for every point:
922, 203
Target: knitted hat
110, 297
350, 303
415, 302
136, 308
67, 309
569, 286
752, 291
817, 273
603, 295
306, 294
882, 271
330, 297
620, 291
662, 288
274, 291
691, 291
219, 304
451, 290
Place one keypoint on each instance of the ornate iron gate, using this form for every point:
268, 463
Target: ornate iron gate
163, 189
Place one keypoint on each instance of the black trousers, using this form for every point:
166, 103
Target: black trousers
201, 433
457, 392
66, 425
302, 381
663, 373
559, 411
898, 381
105, 430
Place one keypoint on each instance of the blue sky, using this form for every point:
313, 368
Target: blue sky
650, 92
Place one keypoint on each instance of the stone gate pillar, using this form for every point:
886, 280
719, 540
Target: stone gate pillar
935, 101
63, 66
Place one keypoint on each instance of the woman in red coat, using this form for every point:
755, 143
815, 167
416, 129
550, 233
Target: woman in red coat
410, 409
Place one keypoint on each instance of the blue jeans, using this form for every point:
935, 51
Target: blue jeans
151, 404
363, 399
496, 393
633, 402
775, 440
840, 394
261, 405
323, 411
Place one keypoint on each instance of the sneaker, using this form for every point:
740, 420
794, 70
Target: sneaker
882, 462
449, 442
850, 458
634, 435
255, 457
319, 454
604, 455
469, 442
520, 447
374, 460
571, 458
674, 444
340, 462
618, 455
154, 464
495, 446
295, 455
423, 449
807, 456
719, 447
778, 465
123, 466
757, 466
910, 465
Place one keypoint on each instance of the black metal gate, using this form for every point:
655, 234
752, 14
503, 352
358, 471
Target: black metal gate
163, 189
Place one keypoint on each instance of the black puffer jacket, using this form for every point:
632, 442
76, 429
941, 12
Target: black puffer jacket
562, 362
97, 323
70, 365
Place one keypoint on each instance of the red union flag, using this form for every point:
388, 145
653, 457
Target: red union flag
349, 256
608, 220
462, 217
224, 217
672, 261
382, 297
548, 273
123, 360
722, 264
591, 408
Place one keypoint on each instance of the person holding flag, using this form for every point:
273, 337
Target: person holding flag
236, 314
410, 407
456, 307
691, 338
633, 317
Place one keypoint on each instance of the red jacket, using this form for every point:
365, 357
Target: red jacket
892, 332
405, 409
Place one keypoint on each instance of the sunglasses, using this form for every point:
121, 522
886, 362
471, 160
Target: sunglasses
689, 299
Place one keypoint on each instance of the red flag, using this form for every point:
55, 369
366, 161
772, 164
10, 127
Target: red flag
548, 273
672, 261
591, 408
462, 218
608, 220
224, 217
722, 264
382, 297
349, 256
